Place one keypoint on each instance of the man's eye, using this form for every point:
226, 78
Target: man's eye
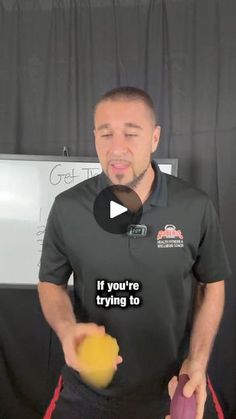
131, 135
106, 135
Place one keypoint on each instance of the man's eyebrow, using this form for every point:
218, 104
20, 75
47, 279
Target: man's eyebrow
127, 125
104, 126
132, 125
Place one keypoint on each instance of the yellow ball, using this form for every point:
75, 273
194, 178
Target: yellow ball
97, 356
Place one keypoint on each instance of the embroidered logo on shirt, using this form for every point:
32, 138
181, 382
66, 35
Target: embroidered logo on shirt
170, 237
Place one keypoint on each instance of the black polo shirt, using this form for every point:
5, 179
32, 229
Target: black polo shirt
184, 239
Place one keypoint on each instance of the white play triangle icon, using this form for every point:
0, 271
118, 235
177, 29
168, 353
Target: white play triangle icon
116, 209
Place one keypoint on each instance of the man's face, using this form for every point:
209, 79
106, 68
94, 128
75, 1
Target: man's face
125, 137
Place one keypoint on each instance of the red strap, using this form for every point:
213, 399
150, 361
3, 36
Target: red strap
56, 395
215, 400
57, 391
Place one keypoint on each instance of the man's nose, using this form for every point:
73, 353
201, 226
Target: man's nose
118, 144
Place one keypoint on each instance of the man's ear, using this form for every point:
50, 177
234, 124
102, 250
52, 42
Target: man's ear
156, 137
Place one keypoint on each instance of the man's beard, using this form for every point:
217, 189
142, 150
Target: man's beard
134, 182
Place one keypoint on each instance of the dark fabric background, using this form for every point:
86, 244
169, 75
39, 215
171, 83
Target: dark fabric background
58, 56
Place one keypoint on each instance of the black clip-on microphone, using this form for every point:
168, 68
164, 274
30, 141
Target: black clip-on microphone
137, 231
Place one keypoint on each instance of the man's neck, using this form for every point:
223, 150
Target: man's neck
144, 189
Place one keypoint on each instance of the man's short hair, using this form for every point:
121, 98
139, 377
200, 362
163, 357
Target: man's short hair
129, 93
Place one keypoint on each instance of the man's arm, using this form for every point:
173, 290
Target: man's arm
208, 313
56, 306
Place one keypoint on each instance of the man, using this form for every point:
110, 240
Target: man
183, 239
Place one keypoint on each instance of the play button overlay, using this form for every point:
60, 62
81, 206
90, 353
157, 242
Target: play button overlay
116, 208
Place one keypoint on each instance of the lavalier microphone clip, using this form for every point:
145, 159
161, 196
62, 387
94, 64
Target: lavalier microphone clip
137, 231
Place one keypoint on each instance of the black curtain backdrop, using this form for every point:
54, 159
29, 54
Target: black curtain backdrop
58, 56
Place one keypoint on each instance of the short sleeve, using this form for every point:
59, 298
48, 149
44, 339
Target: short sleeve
54, 264
212, 264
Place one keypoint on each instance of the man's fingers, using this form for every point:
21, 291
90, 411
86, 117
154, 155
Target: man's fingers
118, 361
70, 356
192, 384
200, 411
172, 386
87, 329
168, 417
201, 400
90, 328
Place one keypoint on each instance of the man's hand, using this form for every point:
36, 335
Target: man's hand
72, 336
196, 384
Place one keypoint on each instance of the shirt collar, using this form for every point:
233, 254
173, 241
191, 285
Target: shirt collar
158, 196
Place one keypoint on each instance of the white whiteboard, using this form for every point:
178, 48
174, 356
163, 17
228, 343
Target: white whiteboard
27, 190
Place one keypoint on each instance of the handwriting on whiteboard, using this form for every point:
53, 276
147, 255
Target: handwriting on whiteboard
40, 234
57, 175
60, 176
